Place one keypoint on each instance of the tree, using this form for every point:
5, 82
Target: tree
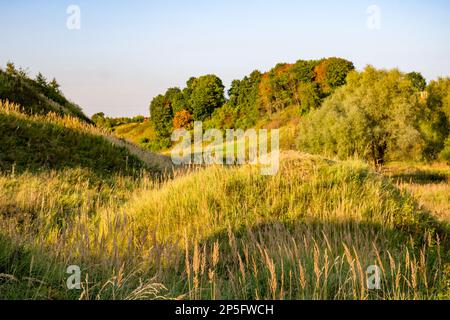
161, 116
376, 115
22, 73
436, 124
41, 80
182, 119
207, 94
331, 73
54, 85
417, 80
11, 68
307, 96
303, 84
176, 98
99, 119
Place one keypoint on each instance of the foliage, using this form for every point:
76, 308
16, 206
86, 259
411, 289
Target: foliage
182, 119
417, 80
177, 100
304, 84
105, 122
207, 94
36, 96
162, 118
331, 73
436, 123
176, 108
241, 109
376, 116
445, 154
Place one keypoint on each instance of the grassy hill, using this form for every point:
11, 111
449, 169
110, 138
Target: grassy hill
72, 194
308, 233
140, 133
36, 98
49, 142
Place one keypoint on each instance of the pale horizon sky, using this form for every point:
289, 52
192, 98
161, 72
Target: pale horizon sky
127, 52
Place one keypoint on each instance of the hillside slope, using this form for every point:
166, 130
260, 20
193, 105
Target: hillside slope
224, 233
36, 98
39, 143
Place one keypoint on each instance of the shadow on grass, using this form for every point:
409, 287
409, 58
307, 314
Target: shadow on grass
420, 177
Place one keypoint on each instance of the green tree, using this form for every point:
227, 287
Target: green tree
207, 94
331, 73
176, 99
54, 85
162, 118
98, 119
41, 80
307, 96
376, 116
417, 80
436, 125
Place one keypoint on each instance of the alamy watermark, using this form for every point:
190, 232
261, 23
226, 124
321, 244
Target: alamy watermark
74, 279
235, 147
373, 274
374, 17
74, 19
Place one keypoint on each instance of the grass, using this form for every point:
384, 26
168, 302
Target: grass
141, 134
35, 98
49, 142
429, 183
310, 232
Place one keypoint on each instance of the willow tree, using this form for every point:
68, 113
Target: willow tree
376, 115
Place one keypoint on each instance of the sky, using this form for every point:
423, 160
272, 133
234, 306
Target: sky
127, 52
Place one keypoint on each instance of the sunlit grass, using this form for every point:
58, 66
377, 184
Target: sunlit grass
309, 232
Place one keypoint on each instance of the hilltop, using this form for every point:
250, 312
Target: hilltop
36, 96
50, 142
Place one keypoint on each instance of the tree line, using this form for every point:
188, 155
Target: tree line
304, 84
378, 115
382, 115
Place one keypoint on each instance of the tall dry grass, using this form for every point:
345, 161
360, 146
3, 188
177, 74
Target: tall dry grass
310, 232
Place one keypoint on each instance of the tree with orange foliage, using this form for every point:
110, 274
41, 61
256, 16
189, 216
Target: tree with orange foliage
332, 73
182, 119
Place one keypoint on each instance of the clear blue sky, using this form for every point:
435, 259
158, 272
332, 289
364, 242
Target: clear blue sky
126, 52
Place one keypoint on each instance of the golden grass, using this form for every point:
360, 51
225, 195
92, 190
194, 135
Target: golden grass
310, 232
429, 183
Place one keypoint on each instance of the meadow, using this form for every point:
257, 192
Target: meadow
310, 232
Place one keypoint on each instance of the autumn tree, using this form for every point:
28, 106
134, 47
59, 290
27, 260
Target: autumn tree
331, 73
10, 68
182, 119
